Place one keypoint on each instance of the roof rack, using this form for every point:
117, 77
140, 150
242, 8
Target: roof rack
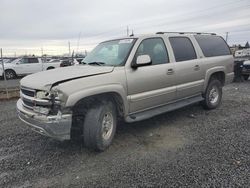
182, 33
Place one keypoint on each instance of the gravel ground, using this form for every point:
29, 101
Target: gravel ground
189, 147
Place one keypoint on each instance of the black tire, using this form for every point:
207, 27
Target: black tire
93, 126
10, 74
213, 94
49, 68
245, 77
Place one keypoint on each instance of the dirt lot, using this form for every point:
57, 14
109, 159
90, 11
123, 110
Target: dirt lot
189, 147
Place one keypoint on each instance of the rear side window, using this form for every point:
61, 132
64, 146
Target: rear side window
33, 60
183, 48
212, 45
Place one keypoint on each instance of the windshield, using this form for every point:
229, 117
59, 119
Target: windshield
110, 53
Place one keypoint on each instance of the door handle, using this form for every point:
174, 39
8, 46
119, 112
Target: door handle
197, 67
170, 71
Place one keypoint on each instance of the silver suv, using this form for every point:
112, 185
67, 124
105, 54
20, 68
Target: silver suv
130, 79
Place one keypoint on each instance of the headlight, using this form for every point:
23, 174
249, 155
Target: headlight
58, 97
42, 95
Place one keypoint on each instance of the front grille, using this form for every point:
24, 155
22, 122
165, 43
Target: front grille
28, 92
28, 104
30, 101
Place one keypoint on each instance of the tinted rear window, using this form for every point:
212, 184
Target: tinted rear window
212, 45
33, 60
183, 48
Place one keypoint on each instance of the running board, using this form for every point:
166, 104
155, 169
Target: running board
162, 109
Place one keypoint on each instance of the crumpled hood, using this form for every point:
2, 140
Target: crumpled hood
44, 80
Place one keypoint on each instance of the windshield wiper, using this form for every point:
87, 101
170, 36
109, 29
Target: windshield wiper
96, 63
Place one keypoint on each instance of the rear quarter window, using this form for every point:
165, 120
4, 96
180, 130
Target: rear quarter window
212, 45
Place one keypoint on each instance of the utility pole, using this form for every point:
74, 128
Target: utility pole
69, 48
42, 51
227, 36
127, 31
78, 42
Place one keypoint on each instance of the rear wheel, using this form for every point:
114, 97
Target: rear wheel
49, 68
10, 74
100, 126
245, 77
213, 94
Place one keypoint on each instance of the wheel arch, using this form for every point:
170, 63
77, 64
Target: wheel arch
50, 67
216, 72
116, 93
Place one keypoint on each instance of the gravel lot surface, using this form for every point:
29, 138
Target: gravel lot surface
189, 147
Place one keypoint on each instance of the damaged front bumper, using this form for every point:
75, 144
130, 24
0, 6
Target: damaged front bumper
57, 127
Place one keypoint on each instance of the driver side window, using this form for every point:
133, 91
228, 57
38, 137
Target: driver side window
155, 48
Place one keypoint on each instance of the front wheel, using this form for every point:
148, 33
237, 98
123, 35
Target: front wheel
213, 94
10, 74
100, 126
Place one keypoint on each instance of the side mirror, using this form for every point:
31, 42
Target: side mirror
17, 63
142, 60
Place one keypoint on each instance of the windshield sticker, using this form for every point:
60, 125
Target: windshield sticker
125, 41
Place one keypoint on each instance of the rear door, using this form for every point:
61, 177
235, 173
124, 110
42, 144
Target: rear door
34, 65
188, 70
28, 66
152, 85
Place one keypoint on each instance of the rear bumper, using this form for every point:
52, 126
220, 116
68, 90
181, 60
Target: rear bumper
57, 127
229, 78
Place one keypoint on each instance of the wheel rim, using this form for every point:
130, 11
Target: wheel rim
214, 95
107, 125
9, 75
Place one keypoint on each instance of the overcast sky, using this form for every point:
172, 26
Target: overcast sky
26, 26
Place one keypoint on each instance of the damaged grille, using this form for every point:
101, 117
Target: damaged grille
30, 101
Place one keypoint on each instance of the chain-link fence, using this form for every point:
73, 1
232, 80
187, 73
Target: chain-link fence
12, 69
8, 88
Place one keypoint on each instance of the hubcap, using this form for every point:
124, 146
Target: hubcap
107, 125
9, 75
214, 95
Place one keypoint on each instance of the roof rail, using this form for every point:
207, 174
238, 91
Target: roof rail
197, 33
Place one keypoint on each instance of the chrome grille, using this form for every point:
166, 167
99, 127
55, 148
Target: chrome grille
28, 92
28, 104
30, 101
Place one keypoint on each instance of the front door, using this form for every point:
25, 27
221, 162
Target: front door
152, 85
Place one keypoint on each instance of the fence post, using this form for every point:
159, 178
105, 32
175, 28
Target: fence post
5, 81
